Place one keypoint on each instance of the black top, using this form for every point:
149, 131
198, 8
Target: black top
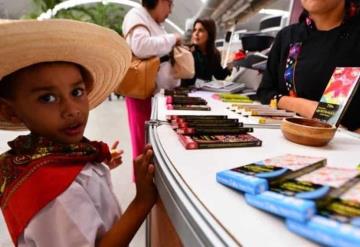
204, 69
321, 52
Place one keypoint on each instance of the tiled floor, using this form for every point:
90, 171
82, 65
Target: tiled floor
108, 122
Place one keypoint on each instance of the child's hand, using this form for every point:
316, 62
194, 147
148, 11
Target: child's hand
144, 169
116, 156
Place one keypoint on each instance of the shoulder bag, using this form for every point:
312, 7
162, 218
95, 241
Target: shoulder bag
140, 80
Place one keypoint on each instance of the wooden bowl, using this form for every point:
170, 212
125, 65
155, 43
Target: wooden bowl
308, 132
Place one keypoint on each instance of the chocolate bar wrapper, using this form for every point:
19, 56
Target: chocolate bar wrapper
337, 222
337, 95
177, 91
201, 130
298, 198
326, 232
256, 177
197, 117
207, 121
184, 100
189, 107
219, 141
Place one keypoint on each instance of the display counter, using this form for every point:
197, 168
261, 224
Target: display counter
206, 213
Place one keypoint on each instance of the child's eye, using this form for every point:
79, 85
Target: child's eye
77, 92
47, 98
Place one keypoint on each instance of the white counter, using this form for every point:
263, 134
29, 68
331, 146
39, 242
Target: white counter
206, 213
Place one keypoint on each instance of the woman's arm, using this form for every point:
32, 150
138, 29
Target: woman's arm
143, 45
301, 106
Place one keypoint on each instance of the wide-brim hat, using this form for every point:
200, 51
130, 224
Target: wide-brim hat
101, 51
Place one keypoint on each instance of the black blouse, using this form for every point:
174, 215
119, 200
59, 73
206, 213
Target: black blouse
321, 52
205, 69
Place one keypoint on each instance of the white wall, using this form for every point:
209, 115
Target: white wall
13, 9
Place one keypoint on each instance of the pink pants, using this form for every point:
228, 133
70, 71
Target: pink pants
139, 111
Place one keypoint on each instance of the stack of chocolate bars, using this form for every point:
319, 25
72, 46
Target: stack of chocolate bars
319, 202
197, 132
263, 113
178, 99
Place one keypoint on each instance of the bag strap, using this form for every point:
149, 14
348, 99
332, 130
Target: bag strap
133, 28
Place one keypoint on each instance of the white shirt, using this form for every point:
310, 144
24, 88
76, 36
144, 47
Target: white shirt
82, 213
145, 45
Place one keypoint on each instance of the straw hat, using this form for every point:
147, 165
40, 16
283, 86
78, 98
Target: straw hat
101, 51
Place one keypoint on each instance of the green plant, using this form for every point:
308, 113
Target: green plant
40, 6
107, 15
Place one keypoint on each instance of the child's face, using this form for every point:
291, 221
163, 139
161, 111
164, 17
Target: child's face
52, 102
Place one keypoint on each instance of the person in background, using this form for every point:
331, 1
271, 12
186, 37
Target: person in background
148, 39
304, 56
207, 58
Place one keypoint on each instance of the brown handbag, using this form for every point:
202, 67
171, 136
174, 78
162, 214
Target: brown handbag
140, 80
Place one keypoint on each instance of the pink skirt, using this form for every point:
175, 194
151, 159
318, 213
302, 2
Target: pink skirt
139, 112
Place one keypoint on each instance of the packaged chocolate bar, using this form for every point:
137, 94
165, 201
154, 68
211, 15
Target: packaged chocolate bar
299, 198
205, 124
177, 91
185, 100
337, 95
190, 117
205, 120
260, 110
337, 223
200, 130
189, 107
257, 177
219, 141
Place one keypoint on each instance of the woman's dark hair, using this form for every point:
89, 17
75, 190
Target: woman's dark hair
212, 53
352, 8
149, 4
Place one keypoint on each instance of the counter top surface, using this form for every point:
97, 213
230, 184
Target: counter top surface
248, 226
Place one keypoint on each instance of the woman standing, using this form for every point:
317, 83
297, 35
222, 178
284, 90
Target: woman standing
305, 55
207, 58
147, 37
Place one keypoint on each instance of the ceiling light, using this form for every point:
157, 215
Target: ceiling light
274, 12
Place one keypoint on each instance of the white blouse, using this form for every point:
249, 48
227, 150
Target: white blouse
85, 211
156, 43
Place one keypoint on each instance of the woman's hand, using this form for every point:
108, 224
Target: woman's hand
116, 156
230, 66
178, 39
144, 169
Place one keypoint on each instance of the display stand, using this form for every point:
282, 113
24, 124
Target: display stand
206, 213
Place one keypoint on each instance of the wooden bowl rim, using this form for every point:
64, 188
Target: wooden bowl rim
288, 121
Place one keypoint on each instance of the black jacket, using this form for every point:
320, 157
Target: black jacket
321, 52
205, 69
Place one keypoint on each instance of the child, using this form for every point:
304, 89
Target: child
54, 191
